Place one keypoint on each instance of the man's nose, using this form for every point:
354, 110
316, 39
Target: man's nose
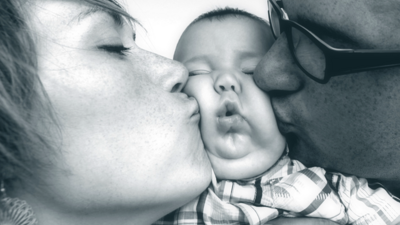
277, 72
227, 81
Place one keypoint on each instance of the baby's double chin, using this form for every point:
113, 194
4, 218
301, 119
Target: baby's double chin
233, 169
230, 146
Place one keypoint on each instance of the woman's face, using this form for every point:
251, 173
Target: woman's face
129, 138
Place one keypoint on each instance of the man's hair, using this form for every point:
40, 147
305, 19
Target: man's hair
223, 13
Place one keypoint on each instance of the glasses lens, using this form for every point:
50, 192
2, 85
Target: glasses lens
308, 54
274, 20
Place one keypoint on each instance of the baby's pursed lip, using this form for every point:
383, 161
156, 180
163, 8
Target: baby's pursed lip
229, 124
228, 108
229, 118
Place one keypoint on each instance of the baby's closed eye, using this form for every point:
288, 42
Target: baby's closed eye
198, 72
248, 69
248, 72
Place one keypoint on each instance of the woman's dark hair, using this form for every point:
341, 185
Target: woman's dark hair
21, 92
18, 82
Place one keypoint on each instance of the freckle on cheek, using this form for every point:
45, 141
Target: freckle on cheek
138, 92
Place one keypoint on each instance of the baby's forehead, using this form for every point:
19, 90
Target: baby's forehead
230, 24
220, 14
230, 35
198, 30
227, 19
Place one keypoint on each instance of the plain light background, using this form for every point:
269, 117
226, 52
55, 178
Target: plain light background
165, 20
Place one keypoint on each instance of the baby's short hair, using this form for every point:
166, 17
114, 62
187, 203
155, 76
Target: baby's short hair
222, 13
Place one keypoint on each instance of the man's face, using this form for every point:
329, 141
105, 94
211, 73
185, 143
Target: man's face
350, 124
237, 122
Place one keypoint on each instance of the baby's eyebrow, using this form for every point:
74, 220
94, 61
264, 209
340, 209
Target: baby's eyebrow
198, 58
248, 54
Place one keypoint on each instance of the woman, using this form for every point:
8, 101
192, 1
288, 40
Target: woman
93, 129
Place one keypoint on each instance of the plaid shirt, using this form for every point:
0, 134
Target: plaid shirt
289, 189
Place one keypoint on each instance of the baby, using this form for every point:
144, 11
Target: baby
255, 181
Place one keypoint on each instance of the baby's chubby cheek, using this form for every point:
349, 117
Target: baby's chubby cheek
238, 154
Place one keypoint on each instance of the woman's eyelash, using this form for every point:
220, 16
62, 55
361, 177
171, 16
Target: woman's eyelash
117, 49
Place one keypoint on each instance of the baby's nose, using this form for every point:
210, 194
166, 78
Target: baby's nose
227, 81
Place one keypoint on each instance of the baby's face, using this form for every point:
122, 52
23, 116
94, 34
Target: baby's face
237, 122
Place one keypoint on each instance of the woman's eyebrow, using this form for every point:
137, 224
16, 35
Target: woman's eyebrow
118, 19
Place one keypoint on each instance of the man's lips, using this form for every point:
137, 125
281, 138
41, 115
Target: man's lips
283, 127
281, 116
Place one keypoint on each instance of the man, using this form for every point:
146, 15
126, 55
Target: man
339, 111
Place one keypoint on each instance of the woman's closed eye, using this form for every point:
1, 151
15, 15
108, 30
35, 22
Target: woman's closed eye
115, 49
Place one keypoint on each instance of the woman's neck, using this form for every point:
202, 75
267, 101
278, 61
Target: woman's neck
50, 212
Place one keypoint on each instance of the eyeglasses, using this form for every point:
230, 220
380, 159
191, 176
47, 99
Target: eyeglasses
316, 58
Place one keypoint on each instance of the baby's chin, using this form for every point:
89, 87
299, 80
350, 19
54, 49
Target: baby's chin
233, 146
248, 166
238, 156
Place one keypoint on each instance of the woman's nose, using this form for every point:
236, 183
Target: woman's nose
277, 72
169, 74
227, 81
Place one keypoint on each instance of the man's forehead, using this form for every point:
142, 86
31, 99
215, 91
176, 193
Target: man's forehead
344, 7
366, 22
324, 11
